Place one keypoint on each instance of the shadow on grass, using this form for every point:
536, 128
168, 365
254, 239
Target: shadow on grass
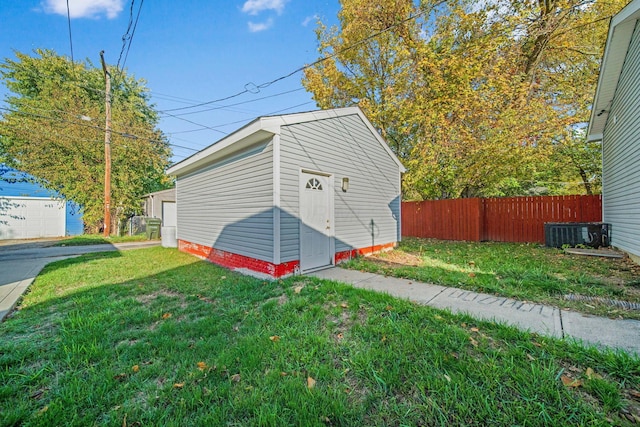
100, 340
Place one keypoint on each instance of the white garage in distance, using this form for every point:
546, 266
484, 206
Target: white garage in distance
31, 217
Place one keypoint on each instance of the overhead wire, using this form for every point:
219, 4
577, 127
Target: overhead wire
127, 38
253, 88
133, 32
69, 25
248, 88
222, 107
87, 125
123, 134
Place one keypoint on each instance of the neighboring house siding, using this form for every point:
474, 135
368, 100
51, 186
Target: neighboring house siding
344, 147
621, 156
153, 202
229, 205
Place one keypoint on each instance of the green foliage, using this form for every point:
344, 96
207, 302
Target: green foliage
475, 99
54, 130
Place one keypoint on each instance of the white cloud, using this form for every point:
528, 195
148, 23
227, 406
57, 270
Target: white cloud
255, 27
253, 7
308, 19
84, 8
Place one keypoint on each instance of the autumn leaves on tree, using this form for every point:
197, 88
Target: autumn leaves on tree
477, 99
53, 129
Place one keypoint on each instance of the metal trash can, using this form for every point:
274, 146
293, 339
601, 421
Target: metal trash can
153, 228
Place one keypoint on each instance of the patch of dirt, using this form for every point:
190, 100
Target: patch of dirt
131, 341
397, 258
147, 298
282, 300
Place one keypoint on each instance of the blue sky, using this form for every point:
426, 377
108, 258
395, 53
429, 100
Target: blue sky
187, 51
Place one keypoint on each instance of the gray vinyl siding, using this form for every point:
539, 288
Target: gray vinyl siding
230, 206
621, 156
344, 147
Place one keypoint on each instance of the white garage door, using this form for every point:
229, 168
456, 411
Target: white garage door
31, 217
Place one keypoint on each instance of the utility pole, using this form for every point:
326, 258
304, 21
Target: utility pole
107, 149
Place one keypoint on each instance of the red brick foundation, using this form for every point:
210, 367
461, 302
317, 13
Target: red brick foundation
347, 255
263, 268
239, 262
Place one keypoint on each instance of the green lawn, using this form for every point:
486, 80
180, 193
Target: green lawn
157, 337
98, 239
528, 272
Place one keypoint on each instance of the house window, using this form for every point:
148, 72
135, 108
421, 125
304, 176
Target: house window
314, 184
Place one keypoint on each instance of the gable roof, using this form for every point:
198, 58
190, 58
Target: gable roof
615, 52
263, 128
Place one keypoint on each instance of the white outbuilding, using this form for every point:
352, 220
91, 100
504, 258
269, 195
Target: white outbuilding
290, 194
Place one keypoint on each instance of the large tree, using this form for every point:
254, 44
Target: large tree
53, 129
474, 97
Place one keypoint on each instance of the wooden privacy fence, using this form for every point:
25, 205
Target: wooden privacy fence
509, 219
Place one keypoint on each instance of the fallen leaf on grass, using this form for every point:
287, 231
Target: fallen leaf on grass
297, 289
311, 383
570, 382
388, 308
166, 315
473, 342
202, 366
274, 338
474, 330
447, 377
472, 274
283, 374
178, 385
635, 394
344, 305
383, 339
340, 336
530, 357
235, 378
44, 409
591, 374
135, 368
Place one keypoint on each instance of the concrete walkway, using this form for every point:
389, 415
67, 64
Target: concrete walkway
542, 319
21, 263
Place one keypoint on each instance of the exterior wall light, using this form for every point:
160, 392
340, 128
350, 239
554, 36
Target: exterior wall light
345, 184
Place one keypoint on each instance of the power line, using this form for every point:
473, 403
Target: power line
197, 124
253, 88
133, 32
70, 38
87, 125
126, 135
222, 107
127, 38
239, 121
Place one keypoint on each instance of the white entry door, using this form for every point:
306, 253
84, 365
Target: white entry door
316, 226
